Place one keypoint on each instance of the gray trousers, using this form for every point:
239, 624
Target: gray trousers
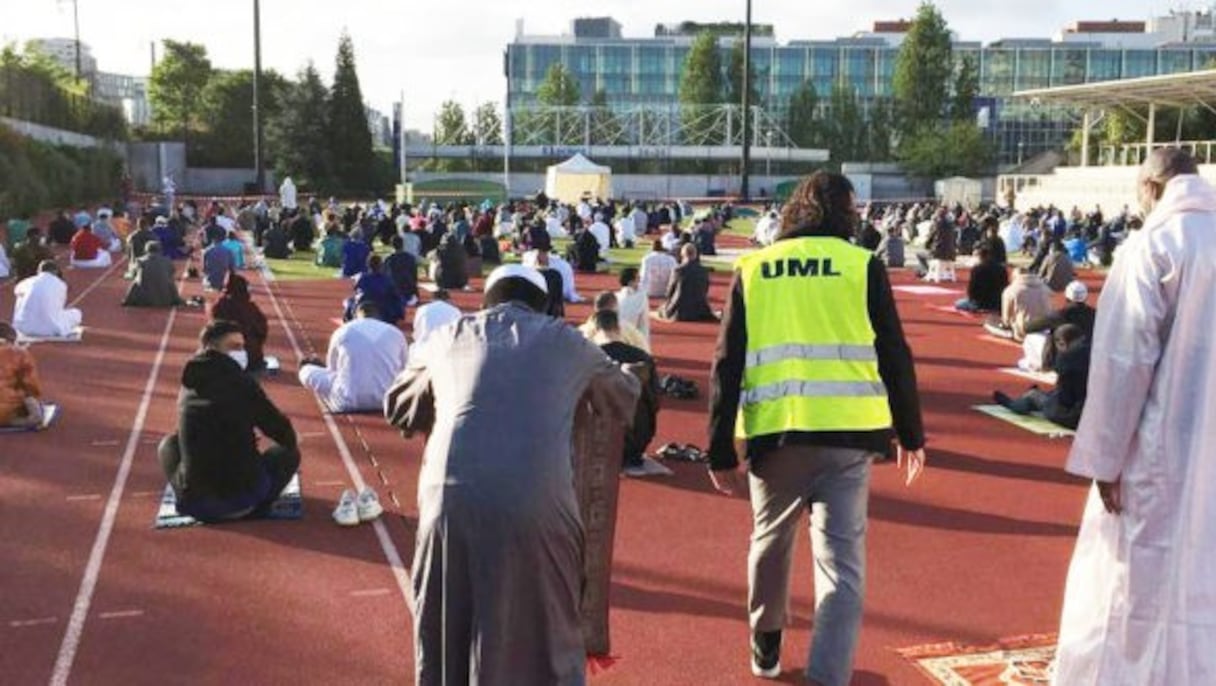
834, 484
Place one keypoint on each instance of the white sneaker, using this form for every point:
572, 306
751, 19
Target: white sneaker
649, 467
347, 511
368, 504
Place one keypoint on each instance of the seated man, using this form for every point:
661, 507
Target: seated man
703, 236
602, 234
606, 301
104, 229
155, 283
235, 305
136, 242
354, 255
330, 252
988, 281
302, 231
218, 263
20, 390
1025, 299
554, 282
364, 357
657, 268
584, 252
434, 315
275, 244
450, 264
41, 308
1063, 404
891, 248
633, 307
607, 334
402, 270
213, 462
375, 286
688, 292
237, 249
88, 252
30, 253
1057, 270
171, 242
1038, 347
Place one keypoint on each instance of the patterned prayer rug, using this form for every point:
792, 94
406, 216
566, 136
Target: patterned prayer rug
1019, 661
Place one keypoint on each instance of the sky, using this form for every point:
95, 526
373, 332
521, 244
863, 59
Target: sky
434, 50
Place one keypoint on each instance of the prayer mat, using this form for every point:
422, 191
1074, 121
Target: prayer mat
1048, 378
1034, 423
289, 506
999, 341
1018, 661
951, 309
74, 337
50, 412
597, 465
927, 290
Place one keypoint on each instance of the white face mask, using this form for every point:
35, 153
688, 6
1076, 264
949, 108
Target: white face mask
241, 357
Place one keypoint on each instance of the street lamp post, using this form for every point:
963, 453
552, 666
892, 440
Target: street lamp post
76, 21
258, 163
747, 102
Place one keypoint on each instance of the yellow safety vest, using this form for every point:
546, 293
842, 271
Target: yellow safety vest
811, 362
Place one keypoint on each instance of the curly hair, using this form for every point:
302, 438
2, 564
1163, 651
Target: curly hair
822, 205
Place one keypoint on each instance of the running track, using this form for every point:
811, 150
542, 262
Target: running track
91, 594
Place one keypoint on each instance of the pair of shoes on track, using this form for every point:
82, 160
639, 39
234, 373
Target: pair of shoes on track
354, 508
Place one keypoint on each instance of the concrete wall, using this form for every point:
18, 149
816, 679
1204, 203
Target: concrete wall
221, 181
150, 162
50, 135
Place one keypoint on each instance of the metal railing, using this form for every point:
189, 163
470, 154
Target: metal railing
1134, 154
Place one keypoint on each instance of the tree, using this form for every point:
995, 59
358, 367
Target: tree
958, 149
923, 69
880, 130
966, 88
846, 128
734, 78
226, 117
700, 85
606, 129
451, 127
801, 117
487, 125
349, 136
295, 136
559, 88
177, 83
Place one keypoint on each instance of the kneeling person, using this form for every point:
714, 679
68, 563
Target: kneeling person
365, 355
213, 461
20, 391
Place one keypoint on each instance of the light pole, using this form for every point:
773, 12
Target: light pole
747, 102
258, 163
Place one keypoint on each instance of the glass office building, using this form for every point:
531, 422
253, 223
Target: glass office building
646, 71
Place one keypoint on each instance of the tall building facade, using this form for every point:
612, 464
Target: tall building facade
130, 93
646, 71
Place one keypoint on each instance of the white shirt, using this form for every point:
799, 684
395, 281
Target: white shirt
656, 273
40, 308
625, 231
633, 307
569, 292
584, 211
670, 241
603, 236
433, 315
226, 222
554, 226
365, 355
762, 228
641, 220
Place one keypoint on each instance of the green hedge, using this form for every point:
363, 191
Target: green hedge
36, 176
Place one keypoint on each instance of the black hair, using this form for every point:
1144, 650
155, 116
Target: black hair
517, 289
628, 275
442, 294
373, 262
368, 308
398, 243
607, 320
216, 330
7, 332
604, 299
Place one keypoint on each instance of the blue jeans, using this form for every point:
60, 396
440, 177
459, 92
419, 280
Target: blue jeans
834, 484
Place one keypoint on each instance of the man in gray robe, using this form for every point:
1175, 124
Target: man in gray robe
154, 284
1140, 603
498, 567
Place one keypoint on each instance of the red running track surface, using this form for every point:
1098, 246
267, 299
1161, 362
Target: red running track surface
975, 552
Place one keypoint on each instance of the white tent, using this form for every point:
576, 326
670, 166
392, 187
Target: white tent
576, 177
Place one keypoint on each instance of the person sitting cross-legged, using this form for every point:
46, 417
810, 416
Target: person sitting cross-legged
434, 315
657, 267
364, 357
154, 282
88, 251
607, 301
28, 254
236, 305
609, 335
1063, 404
330, 252
41, 309
688, 292
236, 248
20, 390
401, 268
213, 461
374, 285
989, 279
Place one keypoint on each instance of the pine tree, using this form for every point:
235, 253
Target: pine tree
487, 125
350, 136
801, 122
559, 88
923, 68
296, 136
451, 126
966, 88
734, 78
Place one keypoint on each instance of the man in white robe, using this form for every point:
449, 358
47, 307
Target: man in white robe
41, 309
364, 357
569, 289
1140, 604
603, 235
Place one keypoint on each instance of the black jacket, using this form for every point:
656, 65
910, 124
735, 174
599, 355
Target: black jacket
1079, 314
645, 420
988, 282
688, 294
895, 366
218, 409
1065, 403
275, 242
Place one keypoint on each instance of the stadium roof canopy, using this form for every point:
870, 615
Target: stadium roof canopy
1169, 90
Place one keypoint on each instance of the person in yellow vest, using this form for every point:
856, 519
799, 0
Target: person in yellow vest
812, 372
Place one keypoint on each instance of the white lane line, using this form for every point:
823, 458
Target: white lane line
97, 282
144, 494
84, 597
86, 496
371, 592
327, 484
104, 444
400, 573
120, 614
41, 621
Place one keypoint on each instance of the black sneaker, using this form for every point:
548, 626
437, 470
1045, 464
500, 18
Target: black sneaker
766, 654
